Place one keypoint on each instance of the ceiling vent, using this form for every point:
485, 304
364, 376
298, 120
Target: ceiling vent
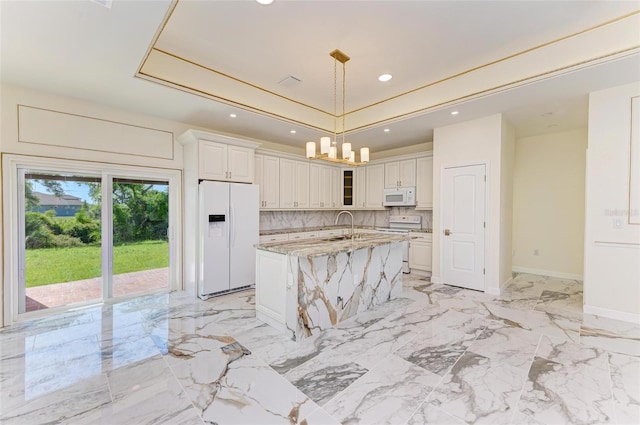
103, 3
290, 81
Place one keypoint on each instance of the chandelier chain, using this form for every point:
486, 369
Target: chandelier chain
344, 95
335, 101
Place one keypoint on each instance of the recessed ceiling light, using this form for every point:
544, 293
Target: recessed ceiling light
232, 115
454, 112
265, 1
386, 130
385, 77
292, 132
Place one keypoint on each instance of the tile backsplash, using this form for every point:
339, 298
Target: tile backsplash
275, 220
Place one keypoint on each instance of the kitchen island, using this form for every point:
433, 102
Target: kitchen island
306, 286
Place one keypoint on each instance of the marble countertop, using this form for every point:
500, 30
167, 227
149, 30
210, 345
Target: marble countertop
321, 247
329, 227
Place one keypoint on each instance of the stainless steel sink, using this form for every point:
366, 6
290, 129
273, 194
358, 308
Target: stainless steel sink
357, 236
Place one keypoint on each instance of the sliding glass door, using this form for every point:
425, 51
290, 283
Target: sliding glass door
140, 238
85, 234
61, 237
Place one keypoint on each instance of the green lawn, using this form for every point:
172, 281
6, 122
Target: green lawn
56, 265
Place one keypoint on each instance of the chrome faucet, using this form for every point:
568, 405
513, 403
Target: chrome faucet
345, 212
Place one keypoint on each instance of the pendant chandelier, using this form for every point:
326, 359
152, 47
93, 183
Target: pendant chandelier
328, 148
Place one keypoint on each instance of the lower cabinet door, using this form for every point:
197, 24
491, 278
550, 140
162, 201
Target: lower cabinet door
420, 255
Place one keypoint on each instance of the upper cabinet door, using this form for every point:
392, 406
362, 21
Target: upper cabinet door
391, 175
326, 184
287, 183
375, 186
212, 161
301, 184
400, 173
270, 182
424, 186
315, 185
407, 172
336, 186
240, 164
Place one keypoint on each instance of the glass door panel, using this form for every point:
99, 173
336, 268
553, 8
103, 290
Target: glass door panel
61, 225
140, 242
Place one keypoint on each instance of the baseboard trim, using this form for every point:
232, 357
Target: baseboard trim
493, 291
612, 314
550, 273
435, 279
499, 291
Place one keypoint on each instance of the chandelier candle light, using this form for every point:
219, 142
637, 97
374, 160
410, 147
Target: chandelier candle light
329, 150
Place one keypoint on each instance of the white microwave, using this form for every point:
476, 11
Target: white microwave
399, 196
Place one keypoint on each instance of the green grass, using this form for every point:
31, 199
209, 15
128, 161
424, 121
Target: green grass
56, 265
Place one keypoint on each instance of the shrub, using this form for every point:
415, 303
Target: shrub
37, 231
66, 241
85, 232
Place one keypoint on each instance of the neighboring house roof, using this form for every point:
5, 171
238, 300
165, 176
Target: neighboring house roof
57, 201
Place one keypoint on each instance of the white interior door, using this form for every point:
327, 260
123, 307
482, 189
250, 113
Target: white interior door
463, 224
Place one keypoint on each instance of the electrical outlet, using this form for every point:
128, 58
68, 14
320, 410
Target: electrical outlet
617, 223
536, 252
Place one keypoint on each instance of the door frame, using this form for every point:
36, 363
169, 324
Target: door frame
487, 229
11, 199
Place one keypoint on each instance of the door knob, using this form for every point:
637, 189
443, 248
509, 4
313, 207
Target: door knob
447, 232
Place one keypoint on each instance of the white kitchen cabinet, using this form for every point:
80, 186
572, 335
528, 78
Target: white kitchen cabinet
294, 184
424, 183
319, 186
400, 173
220, 161
325, 187
336, 193
420, 251
360, 187
315, 183
267, 172
374, 186
278, 237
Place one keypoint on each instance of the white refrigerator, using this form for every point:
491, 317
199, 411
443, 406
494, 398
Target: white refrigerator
228, 230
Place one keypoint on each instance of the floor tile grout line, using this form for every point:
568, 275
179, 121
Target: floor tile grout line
106, 376
613, 398
181, 386
524, 384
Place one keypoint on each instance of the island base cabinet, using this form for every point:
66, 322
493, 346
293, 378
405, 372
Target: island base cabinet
302, 296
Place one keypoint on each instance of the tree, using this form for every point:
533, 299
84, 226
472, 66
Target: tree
140, 212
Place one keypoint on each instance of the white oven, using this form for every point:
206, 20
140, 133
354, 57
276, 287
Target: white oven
399, 196
403, 224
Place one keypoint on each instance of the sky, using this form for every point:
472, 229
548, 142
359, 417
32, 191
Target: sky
81, 190
76, 189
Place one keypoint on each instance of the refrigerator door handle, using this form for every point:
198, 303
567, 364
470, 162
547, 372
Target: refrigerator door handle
228, 226
233, 227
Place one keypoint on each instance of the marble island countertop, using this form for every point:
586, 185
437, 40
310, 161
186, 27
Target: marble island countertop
321, 247
329, 227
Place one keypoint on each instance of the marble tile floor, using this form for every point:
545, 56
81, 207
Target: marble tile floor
437, 355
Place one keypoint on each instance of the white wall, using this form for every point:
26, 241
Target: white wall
548, 203
507, 158
476, 141
612, 255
